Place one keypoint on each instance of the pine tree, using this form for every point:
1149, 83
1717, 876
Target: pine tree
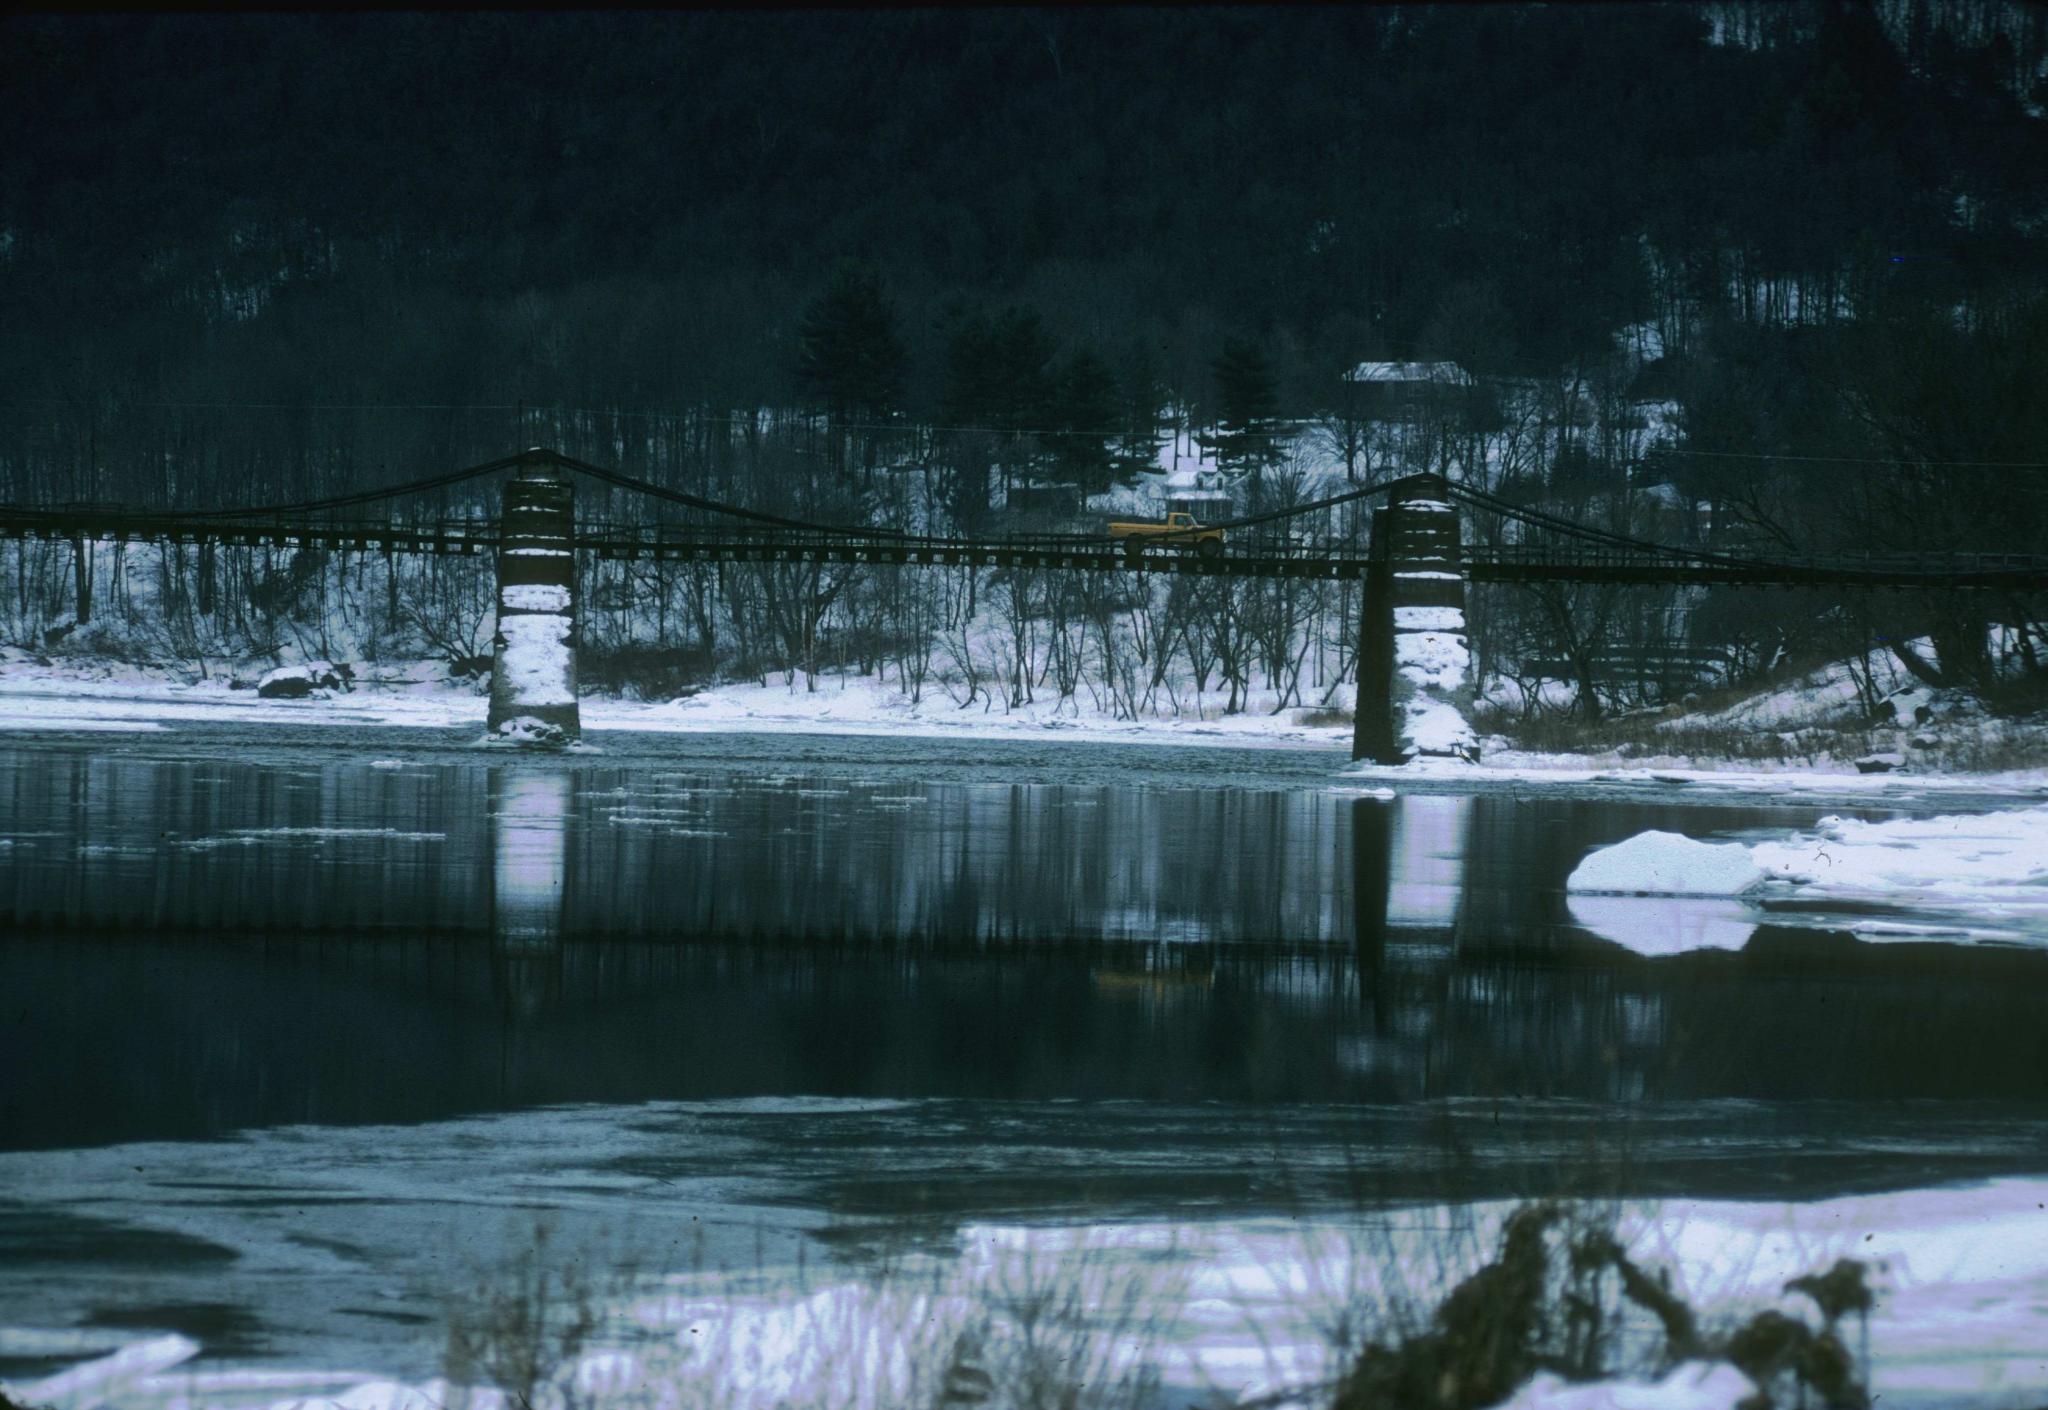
1140, 396
1000, 385
999, 373
1084, 411
850, 357
1246, 438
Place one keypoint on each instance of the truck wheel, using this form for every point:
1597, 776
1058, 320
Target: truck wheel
1210, 548
1134, 545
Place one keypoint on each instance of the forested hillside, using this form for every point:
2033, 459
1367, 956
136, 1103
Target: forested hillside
633, 210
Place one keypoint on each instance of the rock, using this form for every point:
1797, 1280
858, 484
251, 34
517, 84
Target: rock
525, 729
470, 665
54, 634
1879, 763
1925, 739
297, 682
291, 687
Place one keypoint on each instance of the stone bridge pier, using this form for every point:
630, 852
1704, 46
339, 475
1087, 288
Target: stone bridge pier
1414, 666
533, 654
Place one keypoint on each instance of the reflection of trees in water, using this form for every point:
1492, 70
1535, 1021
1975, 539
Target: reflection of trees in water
203, 846
216, 845
689, 935
1007, 862
164, 1036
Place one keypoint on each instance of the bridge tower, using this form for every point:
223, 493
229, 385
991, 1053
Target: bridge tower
533, 654
1414, 693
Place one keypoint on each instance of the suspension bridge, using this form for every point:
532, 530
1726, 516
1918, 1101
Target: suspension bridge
1413, 561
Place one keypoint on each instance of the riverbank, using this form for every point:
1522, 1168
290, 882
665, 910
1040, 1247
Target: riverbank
40, 696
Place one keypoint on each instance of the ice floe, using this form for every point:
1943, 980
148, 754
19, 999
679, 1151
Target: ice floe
1965, 878
1667, 864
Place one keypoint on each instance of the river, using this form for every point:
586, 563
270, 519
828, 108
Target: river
305, 1031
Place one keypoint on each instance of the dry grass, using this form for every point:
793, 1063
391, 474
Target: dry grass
1455, 1319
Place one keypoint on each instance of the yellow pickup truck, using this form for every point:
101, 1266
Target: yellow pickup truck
1179, 531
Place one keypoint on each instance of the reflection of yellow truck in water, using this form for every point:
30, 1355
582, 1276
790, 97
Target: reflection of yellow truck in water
1178, 531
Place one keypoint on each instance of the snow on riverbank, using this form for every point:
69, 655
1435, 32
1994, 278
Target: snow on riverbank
1974, 876
1513, 770
41, 698
1226, 1311
1997, 857
102, 697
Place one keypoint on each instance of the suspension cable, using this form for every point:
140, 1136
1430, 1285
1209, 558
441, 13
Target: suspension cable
315, 506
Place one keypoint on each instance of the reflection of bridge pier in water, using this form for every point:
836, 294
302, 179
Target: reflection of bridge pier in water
1411, 859
530, 813
1408, 858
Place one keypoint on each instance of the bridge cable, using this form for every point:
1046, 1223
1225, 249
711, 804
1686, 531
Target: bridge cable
619, 480
315, 506
1536, 518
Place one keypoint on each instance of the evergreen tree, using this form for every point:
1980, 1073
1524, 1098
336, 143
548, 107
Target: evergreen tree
1247, 434
850, 357
1084, 413
999, 372
1141, 395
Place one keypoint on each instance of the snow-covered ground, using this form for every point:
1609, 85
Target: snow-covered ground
1507, 769
1219, 1312
1975, 877
62, 698
67, 696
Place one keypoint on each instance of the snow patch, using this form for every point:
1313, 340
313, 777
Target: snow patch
1692, 1385
1437, 727
525, 729
1429, 619
534, 597
1964, 879
1910, 706
536, 658
1433, 660
2001, 858
96, 1382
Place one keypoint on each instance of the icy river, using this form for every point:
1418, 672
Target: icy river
307, 1033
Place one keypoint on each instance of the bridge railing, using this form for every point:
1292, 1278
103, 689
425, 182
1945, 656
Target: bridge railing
1271, 550
641, 538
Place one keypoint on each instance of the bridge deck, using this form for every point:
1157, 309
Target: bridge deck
1270, 556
